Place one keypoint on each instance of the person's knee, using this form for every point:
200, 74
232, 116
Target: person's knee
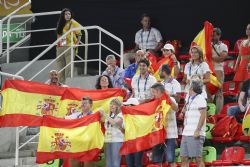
184, 159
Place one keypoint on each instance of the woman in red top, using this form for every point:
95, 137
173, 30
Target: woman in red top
243, 59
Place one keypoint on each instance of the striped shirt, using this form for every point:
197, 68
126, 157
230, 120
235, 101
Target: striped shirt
192, 115
148, 39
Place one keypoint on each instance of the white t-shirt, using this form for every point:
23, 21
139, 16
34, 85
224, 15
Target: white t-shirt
148, 39
220, 47
171, 129
172, 86
141, 86
192, 115
112, 133
196, 69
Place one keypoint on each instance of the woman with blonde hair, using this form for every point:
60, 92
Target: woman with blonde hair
114, 134
196, 66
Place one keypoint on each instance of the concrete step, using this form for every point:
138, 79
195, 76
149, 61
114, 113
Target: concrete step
30, 146
22, 162
82, 82
27, 137
22, 153
32, 131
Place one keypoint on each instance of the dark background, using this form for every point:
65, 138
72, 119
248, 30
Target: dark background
176, 19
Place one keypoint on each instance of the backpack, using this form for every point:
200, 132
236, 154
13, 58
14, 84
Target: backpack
225, 127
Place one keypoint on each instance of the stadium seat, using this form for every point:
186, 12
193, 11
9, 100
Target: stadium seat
230, 88
101, 161
230, 156
209, 126
181, 73
211, 109
229, 66
209, 155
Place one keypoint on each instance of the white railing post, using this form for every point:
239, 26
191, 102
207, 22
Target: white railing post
100, 52
86, 36
8, 42
17, 146
1, 37
72, 45
121, 53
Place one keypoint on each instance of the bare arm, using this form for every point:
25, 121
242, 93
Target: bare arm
221, 58
206, 78
237, 63
240, 100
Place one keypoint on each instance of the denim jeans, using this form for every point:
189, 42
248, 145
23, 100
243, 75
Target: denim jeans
134, 159
233, 110
112, 155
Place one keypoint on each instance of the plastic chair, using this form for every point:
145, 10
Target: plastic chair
229, 66
231, 156
231, 88
209, 155
209, 126
211, 109
53, 163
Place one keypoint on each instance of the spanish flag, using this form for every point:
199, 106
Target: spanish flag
246, 123
71, 99
144, 125
204, 40
24, 102
80, 139
165, 60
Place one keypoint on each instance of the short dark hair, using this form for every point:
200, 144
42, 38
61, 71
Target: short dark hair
166, 69
217, 31
158, 86
98, 85
88, 98
144, 61
145, 15
197, 86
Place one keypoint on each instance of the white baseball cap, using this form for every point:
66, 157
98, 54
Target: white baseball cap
169, 47
131, 101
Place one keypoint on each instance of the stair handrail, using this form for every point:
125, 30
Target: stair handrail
6, 17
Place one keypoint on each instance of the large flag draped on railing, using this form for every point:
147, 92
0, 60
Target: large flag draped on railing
144, 125
204, 40
80, 139
25, 102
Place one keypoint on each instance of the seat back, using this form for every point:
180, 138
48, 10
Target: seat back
231, 87
209, 127
177, 155
229, 66
211, 109
235, 154
209, 154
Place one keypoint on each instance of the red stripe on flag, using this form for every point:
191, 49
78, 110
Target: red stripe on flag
90, 155
34, 87
143, 143
77, 94
54, 122
10, 120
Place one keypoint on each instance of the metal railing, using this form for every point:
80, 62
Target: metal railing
86, 60
9, 32
7, 17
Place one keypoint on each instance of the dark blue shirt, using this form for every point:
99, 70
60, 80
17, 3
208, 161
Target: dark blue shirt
130, 70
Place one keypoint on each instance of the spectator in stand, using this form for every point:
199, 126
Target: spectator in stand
141, 83
130, 71
168, 148
196, 66
114, 133
244, 98
169, 55
147, 39
87, 104
115, 73
103, 82
193, 135
219, 54
54, 79
65, 23
171, 85
243, 59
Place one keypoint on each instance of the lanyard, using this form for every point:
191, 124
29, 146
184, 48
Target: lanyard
111, 115
146, 39
196, 70
192, 98
138, 83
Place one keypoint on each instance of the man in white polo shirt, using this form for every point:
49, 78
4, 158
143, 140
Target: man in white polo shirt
170, 84
193, 135
142, 82
219, 54
147, 39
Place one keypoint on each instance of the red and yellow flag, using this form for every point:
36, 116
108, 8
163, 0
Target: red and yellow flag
246, 123
24, 102
165, 60
204, 39
144, 125
71, 99
80, 139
